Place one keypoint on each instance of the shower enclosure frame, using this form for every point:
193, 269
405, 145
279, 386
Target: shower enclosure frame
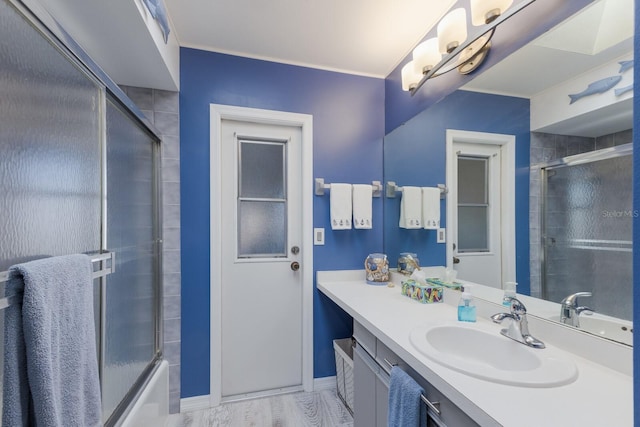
45, 24
544, 168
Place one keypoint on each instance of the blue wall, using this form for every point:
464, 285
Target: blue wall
348, 127
419, 146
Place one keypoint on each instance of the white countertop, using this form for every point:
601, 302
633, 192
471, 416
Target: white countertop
599, 397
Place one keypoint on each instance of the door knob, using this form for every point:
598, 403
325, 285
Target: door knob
295, 266
456, 260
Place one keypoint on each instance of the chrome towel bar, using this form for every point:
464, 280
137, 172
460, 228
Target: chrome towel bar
321, 187
434, 406
103, 270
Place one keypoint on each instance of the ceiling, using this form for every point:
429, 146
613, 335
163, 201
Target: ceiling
365, 37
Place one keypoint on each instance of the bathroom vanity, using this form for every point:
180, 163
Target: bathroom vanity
594, 387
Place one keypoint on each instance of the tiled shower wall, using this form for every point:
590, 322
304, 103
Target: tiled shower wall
162, 109
546, 147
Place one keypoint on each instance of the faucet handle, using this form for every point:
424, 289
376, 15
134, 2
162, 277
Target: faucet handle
585, 310
517, 307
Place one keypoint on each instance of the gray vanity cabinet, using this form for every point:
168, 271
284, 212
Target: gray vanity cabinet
371, 364
364, 394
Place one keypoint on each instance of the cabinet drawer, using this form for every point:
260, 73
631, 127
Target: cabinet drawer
450, 414
365, 338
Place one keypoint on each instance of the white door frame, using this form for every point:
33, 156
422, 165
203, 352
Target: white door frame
305, 122
508, 192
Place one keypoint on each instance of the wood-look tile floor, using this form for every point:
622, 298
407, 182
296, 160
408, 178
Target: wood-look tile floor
320, 408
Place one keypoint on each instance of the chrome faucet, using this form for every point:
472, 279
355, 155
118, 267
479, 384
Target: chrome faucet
518, 329
570, 311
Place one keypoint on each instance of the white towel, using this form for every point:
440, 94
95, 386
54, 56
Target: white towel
341, 208
411, 207
362, 211
431, 208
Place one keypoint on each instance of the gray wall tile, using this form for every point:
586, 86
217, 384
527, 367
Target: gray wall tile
174, 403
171, 238
142, 97
166, 101
171, 308
172, 330
624, 137
149, 115
170, 215
167, 123
172, 352
172, 284
170, 170
174, 379
171, 193
171, 261
171, 147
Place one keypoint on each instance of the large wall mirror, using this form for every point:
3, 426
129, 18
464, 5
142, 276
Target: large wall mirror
536, 152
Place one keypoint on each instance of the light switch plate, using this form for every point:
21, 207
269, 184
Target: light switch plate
442, 235
318, 236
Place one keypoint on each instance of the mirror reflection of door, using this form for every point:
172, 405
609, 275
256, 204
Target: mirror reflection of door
481, 206
478, 245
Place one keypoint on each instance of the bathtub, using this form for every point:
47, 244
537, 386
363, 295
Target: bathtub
152, 407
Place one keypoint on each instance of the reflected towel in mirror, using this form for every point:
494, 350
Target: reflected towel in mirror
411, 208
431, 208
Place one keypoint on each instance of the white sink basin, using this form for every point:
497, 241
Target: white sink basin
618, 331
477, 350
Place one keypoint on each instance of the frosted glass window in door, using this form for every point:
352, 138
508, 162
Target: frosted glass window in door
262, 169
262, 199
473, 204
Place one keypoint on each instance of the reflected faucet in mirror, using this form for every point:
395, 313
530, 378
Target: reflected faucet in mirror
570, 311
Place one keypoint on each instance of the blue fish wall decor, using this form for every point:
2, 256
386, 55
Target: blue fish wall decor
625, 65
623, 90
599, 86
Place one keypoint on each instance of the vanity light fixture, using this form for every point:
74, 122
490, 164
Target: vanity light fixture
452, 48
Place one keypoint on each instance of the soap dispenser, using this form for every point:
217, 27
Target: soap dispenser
467, 306
509, 292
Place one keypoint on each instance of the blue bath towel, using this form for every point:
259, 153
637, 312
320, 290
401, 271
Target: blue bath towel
405, 406
50, 360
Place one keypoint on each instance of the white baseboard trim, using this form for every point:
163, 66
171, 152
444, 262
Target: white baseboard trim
325, 383
195, 403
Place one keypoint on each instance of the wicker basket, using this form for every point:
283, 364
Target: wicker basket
344, 371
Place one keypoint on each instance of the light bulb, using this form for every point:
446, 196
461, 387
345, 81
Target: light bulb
426, 55
452, 30
410, 77
485, 11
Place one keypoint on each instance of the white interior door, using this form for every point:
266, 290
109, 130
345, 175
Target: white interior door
261, 289
477, 213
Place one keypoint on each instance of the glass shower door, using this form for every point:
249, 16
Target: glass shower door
587, 231
130, 295
49, 151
